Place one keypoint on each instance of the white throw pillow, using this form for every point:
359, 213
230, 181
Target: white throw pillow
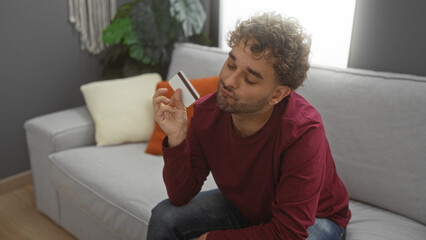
122, 108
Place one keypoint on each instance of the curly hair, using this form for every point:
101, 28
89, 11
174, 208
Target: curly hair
282, 39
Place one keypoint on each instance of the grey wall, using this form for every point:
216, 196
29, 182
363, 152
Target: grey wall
389, 35
41, 69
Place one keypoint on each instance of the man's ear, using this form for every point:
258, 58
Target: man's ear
280, 93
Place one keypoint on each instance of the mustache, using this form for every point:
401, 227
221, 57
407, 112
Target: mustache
221, 83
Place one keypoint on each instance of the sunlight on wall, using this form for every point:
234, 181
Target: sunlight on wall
329, 22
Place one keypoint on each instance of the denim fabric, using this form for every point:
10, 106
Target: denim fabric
210, 211
324, 229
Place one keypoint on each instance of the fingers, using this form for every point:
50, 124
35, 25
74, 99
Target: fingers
160, 92
162, 104
158, 99
164, 109
177, 98
171, 112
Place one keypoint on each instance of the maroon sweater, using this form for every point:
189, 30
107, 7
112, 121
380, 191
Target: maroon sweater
281, 178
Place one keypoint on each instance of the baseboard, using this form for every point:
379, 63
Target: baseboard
16, 181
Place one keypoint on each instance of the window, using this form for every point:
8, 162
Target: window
329, 22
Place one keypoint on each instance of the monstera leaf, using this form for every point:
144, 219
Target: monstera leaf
155, 30
120, 27
190, 14
117, 30
143, 32
143, 21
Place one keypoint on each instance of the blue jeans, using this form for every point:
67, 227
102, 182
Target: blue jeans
210, 211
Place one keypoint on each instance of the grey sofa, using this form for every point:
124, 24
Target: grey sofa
375, 122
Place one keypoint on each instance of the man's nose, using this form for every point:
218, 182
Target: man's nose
233, 80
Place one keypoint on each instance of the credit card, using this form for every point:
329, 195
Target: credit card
189, 94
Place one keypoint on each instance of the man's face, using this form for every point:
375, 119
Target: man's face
246, 83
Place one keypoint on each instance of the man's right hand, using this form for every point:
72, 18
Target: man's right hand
170, 115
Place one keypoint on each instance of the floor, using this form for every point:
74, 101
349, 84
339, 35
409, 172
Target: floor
20, 220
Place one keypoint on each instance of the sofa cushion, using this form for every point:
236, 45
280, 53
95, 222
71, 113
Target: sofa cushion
204, 86
118, 185
376, 125
122, 108
369, 222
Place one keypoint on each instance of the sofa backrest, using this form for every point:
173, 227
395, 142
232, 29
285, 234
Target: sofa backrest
375, 123
196, 61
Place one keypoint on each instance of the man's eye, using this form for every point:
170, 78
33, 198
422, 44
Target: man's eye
231, 66
249, 82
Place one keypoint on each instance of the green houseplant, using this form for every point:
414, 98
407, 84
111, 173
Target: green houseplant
142, 34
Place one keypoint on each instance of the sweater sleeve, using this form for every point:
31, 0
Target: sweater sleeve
185, 169
302, 173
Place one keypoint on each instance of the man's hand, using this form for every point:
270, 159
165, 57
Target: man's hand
203, 237
170, 114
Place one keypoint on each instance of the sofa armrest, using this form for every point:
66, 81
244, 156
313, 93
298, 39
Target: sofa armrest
65, 129
51, 133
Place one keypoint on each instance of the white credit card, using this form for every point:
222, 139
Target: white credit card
189, 94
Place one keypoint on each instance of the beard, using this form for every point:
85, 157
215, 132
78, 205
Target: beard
234, 105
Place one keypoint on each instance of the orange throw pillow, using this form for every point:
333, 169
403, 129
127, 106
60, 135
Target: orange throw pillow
204, 87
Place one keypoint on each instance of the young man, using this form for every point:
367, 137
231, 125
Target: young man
264, 144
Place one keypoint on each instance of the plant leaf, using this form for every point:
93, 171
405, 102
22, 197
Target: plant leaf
136, 51
116, 31
190, 14
131, 38
154, 26
114, 54
123, 10
143, 22
164, 22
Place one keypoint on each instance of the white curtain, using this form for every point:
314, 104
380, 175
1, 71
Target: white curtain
90, 18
